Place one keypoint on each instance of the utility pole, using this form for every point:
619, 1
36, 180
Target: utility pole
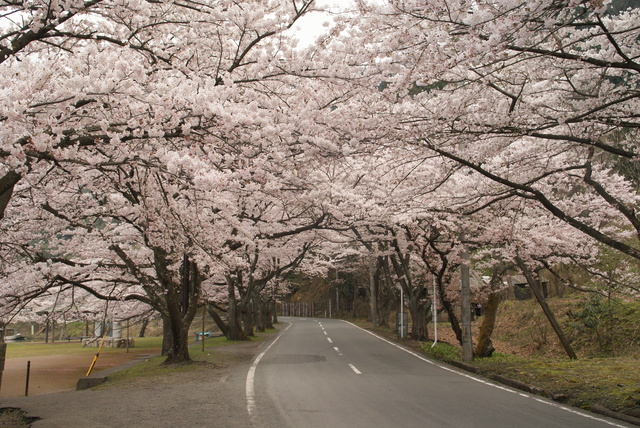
401, 312
337, 294
465, 297
434, 310
373, 293
465, 294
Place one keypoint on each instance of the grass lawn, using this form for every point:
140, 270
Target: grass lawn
610, 382
210, 357
143, 345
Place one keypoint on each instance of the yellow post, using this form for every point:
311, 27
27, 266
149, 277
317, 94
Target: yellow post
93, 363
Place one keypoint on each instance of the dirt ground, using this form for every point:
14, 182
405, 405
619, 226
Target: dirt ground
54, 373
213, 395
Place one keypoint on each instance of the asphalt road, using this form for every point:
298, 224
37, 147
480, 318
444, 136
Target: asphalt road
330, 373
315, 373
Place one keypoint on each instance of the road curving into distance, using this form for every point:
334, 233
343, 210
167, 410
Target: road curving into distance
331, 373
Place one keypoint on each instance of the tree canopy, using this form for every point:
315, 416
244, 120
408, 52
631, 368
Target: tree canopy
164, 155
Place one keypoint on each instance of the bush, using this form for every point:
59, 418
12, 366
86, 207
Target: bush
610, 323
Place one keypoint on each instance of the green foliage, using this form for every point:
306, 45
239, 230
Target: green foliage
597, 326
619, 273
611, 323
498, 357
594, 311
442, 351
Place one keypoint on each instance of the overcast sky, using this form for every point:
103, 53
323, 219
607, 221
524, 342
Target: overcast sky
313, 24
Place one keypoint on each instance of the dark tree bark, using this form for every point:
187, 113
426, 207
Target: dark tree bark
418, 309
167, 338
270, 314
3, 352
7, 183
484, 347
218, 320
273, 310
546, 309
170, 301
442, 274
181, 306
449, 309
259, 314
388, 291
247, 321
235, 331
415, 292
143, 327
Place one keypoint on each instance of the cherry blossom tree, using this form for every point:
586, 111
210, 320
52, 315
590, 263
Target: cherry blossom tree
102, 73
186, 81
537, 97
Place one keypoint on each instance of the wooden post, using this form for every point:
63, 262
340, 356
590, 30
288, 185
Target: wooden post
95, 358
3, 353
26, 386
373, 294
465, 316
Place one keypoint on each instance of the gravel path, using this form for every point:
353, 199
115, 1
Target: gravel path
209, 396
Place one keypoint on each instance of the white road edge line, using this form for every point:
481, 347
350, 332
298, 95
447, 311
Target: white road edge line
513, 391
250, 386
355, 370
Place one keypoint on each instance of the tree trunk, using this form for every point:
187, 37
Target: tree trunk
269, 314
166, 336
273, 309
219, 321
233, 318
175, 336
179, 350
143, 327
448, 307
7, 183
385, 312
260, 315
390, 300
418, 320
247, 320
546, 309
3, 351
181, 305
484, 347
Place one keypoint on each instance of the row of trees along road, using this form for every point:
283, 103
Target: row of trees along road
163, 156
